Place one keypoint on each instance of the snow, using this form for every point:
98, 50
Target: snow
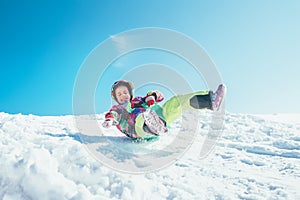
49, 157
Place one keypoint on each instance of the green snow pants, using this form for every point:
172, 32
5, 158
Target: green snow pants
173, 108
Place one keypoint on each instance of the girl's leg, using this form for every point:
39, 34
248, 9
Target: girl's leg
174, 107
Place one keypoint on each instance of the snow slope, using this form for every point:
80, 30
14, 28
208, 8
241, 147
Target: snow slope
256, 157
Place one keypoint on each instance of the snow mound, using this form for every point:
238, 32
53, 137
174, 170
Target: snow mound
255, 157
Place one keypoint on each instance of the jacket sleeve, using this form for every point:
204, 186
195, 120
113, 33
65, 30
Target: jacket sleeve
113, 114
137, 102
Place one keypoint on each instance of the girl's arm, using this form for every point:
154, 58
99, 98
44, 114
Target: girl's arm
111, 118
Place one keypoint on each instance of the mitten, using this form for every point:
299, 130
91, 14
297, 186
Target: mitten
107, 123
150, 100
109, 120
159, 96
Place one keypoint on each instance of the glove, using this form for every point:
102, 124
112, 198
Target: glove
150, 100
107, 123
159, 96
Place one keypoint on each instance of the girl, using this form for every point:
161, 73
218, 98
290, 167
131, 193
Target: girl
141, 117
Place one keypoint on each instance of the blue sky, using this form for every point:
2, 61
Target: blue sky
254, 44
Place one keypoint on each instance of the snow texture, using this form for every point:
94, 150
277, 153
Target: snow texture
255, 157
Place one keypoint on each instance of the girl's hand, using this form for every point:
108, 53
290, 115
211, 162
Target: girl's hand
159, 96
107, 123
150, 100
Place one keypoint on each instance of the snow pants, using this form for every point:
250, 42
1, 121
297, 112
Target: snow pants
174, 107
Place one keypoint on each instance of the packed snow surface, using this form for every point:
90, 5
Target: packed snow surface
255, 157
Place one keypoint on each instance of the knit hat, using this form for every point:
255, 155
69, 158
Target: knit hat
121, 83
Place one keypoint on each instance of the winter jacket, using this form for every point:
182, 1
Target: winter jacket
124, 115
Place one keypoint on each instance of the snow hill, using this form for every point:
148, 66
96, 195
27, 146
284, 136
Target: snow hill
255, 157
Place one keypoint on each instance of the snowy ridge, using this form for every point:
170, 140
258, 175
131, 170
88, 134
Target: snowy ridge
256, 157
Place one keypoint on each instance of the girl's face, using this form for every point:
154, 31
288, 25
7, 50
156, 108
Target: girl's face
122, 94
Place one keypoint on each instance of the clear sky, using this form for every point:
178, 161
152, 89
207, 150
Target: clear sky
254, 44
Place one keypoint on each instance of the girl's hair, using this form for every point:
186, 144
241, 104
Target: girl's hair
121, 83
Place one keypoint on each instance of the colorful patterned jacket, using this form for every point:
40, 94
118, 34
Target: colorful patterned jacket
124, 115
